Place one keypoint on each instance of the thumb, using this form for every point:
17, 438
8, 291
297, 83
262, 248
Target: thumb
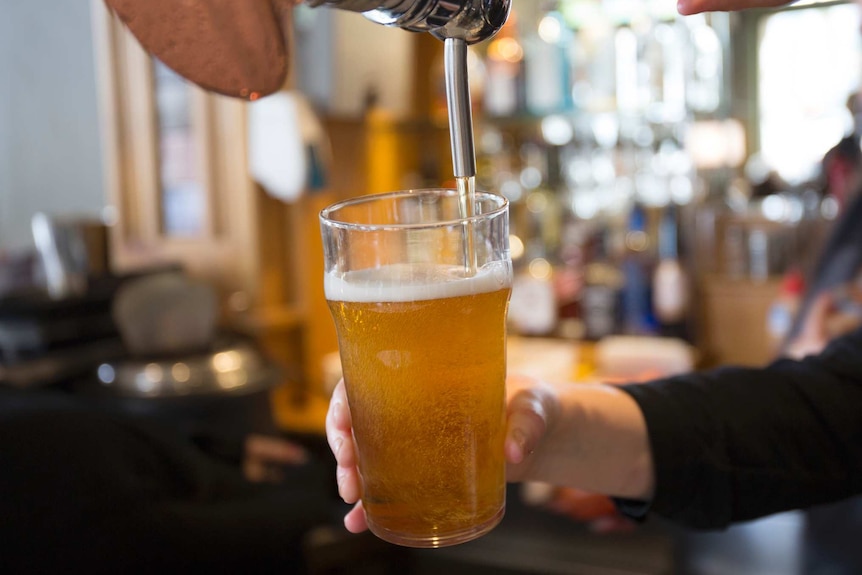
532, 405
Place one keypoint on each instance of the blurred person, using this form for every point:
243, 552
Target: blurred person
839, 261
832, 530
842, 170
830, 307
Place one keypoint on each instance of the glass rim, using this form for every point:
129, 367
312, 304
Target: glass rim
326, 219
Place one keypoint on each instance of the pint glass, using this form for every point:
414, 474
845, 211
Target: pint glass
419, 297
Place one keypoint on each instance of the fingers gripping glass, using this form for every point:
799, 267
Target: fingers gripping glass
419, 298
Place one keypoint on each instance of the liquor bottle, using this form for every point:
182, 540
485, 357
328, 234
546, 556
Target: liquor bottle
569, 277
602, 293
570, 258
547, 66
626, 71
663, 73
705, 66
533, 306
638, 317
670, 290
782, 312
504, 69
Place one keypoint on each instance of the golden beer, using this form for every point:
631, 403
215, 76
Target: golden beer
423, 354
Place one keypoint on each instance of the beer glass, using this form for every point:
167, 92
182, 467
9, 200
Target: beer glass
419, 297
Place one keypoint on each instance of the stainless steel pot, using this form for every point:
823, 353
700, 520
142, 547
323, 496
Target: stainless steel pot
234, 369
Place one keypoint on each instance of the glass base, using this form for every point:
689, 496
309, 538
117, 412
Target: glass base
438, 539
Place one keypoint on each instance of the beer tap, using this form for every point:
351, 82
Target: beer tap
457, 23
239, 48
468, 20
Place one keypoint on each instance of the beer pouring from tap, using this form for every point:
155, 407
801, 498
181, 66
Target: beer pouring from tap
461, 136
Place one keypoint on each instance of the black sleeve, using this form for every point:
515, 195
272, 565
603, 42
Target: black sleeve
735, 444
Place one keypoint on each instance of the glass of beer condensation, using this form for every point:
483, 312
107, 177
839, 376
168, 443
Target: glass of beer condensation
419, 297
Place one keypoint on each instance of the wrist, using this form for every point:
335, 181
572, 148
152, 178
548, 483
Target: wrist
608, 435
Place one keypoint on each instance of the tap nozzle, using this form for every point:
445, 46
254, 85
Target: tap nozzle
468, 20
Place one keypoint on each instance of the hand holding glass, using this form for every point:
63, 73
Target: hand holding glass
419, 296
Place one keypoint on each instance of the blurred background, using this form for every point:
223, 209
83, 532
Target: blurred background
672, 182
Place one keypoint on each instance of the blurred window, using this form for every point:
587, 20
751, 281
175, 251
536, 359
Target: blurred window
810, 62
183, 198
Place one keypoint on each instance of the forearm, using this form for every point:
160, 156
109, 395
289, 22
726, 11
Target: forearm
596, 439
735, 444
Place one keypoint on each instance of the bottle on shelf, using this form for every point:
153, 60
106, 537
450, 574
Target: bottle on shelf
547, 65
663, 75
504, 72
540, 179
704, 69
569, 276
628, 98
533, 306
670, 289
638, 318
782, 312
601, 300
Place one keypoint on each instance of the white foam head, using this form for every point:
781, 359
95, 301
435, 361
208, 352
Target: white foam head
415, 282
